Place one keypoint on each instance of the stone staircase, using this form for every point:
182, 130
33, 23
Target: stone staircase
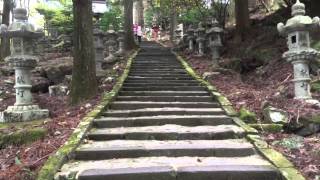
165, 126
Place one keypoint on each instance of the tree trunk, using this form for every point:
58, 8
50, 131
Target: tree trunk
173, 22
128, 25
315, 8
140, 11
84, 83
242, 18
5, 42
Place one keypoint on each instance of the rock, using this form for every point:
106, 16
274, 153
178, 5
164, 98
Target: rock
272, 128
39, 84
247, 116
1, 93
209, 75
56, 70
9, 82
6, 71
108, 80
295, 142
309, 125
274, 115
58, 90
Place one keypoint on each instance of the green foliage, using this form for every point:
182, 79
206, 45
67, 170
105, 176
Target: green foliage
315, 86
60, 18
113, 17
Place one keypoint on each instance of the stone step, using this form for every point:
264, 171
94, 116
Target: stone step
132, 73
157, 71
159, 84
164, 88
158, 78
157, 63
172, 168
163, 93
166, 98
168, 132
164, 111
161, 75
155, 66
99, 150
162, 81
184, 120
129, 105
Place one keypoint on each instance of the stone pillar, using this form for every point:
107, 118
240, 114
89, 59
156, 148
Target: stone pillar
297, 30
112, 43
23, 60
98, 45
215, 43
121, 35
200, 39
190, 38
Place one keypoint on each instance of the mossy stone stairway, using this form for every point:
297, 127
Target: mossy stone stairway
165, 126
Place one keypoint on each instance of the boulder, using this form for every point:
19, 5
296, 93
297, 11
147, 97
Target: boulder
309, 125
209, 75
274, 115
39, 84
56, 70
58, 90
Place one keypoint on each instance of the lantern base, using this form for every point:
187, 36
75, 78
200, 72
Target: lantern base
23, 113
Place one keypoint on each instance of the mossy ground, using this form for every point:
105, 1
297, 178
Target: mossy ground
21, 133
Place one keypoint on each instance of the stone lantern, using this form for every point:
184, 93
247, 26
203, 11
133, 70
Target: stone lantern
215, 43
178, 36
23, 60
190, 38
297, 30
112, 44
121, 36
200, 32
98, 45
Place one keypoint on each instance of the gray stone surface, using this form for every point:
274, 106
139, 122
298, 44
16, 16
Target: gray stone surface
23, 60
185, 120
160, 129
300, 54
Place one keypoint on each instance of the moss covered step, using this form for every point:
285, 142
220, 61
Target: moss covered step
149, 66
167, 75
184, 120
163, 93
166, 98
99, 150
157, 78
168, 132
164, 111
129, 105
172, 168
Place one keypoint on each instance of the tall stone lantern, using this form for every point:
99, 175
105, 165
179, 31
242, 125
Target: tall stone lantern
112, 44
98, 45
215, 43
178, 36
190, 32
121, 36
297, 30
23, 60
201, 31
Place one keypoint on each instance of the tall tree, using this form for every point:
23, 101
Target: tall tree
84, 83
242, 18
128, 24
173, 21
315, 8
5, 42
140, 10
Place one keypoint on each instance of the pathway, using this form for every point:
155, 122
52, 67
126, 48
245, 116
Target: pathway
165, 126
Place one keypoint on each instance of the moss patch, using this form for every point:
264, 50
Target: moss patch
291, 174
247, 116
65, 152
268, 127
315, 86
22, 137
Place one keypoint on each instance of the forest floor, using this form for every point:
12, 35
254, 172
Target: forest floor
19, 162
252, 73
